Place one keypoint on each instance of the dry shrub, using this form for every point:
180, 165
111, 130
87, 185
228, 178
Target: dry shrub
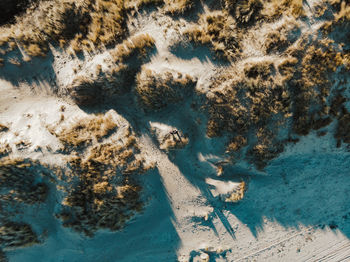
343, 8
337, 105
282, 37
274, 9
340, 21
340, 112
275, 41
127, 57
65, 19
175, 7
100, 185
85, 131
157, 90
137, 46
244, 11
217, 30
131, 4
237, 143
320, 59
34, 50
5, 150
287, 68
105, 193
107, 22
15, 61
262, 69
19, 181
255, 101
82, 23
14, 235
10, 8
172, 141
238, 194
311, 89
237, 105
3, 128
267, 147
85, 91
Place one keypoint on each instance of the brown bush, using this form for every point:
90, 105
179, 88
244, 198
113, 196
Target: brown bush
18, 178
157, 90
137, 46
237, 105
14, 234
10, 8
175, 7
236, 144
217, 30
244, 11
260, 69
84, 24
274, 9
104, 197
85, 91
255, 100
85, 131
3, 128
287, 68
131, 4
100, 185
5, 150
313, 87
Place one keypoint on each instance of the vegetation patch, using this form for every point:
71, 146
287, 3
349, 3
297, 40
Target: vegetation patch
218, 30
244, 11
5, 150
235, 105
157, 90
137, 4
80, 24
85, 131
10, 8
274, 9
85, 91
252, 106
177, 7
103, 191
253, 103
20, 181
136, 47
3, 128
15, 235
281, 38
127, 58
312, 87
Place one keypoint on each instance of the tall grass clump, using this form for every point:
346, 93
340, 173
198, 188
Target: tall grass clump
157, 90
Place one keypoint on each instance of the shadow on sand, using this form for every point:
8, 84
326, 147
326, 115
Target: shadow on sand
148, 236
35, 72
297, 189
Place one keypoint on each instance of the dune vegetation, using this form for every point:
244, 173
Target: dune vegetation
251, 77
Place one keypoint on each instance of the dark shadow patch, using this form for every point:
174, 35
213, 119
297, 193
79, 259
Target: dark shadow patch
188, 51
36, 72
10, 8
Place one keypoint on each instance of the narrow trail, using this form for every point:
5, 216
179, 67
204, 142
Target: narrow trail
186, 199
